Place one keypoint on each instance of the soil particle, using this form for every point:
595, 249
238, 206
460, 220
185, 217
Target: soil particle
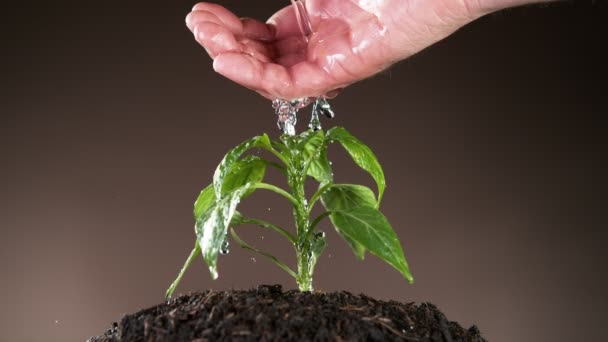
269, 314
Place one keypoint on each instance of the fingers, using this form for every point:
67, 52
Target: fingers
278, 81
250, 72
267, 58
285, 23
255, 29
291, 59
247, 27
333, 93
290, 45
290, 51
218, 30
215, 38
229, 19
260, 51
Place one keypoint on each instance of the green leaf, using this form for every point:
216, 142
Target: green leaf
314, 151
274, 259
362, 156
251, 169
347, 196
368, 227
204, 201
231, 158
212, 226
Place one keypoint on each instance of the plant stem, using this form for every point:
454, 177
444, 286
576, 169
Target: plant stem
303, 245
196, 251
277, 190
245, 245
316, 221
269, 225
317, 195
277, 166
278, 155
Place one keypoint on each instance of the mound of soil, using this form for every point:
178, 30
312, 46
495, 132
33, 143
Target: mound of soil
269, 314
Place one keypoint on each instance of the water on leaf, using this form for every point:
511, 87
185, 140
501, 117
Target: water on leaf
225, 246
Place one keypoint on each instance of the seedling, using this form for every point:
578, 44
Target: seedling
352, 209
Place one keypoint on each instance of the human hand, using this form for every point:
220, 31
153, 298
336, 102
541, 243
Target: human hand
351, 40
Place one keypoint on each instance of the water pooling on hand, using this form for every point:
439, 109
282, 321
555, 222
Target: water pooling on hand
287, 111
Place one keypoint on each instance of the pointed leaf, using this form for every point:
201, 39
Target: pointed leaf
204, 201
212, 226
362, 156
315, 162
346, 196
232, 156
320, 169
311, 145
367, 226
248, 170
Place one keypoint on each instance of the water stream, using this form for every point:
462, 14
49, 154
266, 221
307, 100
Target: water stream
287, 110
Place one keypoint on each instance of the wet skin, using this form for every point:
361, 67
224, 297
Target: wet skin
351, 40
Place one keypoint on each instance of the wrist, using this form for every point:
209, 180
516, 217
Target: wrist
417, 24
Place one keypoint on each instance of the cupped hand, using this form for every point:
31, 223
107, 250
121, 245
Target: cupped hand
351, 40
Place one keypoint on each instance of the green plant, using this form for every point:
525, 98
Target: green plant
352, 209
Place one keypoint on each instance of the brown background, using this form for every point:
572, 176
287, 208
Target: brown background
112, 120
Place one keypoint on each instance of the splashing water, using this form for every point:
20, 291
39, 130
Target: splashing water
287, 110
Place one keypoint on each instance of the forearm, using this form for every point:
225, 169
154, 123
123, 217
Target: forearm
482, 7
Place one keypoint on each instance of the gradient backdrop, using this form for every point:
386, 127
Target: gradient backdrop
492, 141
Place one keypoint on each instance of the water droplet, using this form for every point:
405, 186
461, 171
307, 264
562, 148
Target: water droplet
315, 123
262, 237
268, 209
253, 259
325, 108
56, 321
330, 163
225, 244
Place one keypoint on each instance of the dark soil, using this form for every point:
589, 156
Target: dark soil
269, 314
